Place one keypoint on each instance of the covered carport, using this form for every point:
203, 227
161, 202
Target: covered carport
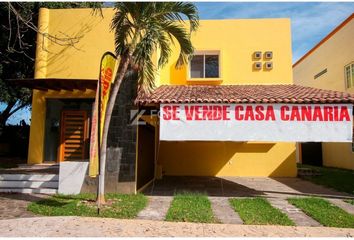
236, 130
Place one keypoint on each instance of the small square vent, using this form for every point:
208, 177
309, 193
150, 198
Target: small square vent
257, 65
268, 55
268, 65
257, 55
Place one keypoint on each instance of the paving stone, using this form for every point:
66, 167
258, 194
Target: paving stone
223, 211
349, 208
156, 209
14, 205
282, 186
295, 214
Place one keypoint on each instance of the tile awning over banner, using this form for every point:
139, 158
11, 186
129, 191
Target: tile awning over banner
284, 93
45, 84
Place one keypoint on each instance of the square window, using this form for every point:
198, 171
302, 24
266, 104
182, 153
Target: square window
205, 66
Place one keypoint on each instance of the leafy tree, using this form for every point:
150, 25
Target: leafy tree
140, 29
18, 24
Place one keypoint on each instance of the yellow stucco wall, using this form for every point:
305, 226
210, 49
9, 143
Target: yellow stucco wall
334, 54
228, 159
235, 39
92, 38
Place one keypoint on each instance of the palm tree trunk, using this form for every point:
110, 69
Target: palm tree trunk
123, 66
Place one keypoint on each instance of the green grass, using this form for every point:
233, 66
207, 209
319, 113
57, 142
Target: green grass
190, 207
351, 201
122, 206
258, 211
324, 212
339, 179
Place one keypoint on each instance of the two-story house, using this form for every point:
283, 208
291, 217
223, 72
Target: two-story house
236, 61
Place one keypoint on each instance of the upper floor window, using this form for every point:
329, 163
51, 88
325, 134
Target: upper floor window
349, 75
205, 65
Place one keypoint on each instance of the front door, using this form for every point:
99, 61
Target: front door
73, 135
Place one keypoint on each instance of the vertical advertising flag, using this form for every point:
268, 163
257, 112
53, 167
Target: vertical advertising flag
94, 151
107, 66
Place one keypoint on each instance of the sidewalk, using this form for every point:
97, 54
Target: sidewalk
105, 227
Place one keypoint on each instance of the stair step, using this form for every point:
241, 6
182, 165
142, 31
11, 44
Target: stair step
37, 166
29, 177
29, 184
29, 190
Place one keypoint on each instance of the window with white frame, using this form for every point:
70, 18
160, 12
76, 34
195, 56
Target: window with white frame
205, 65
349, 75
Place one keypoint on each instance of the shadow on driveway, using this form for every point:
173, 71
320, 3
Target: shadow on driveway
241, 187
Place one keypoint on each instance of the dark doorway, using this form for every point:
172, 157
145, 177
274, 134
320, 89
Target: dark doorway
311, 153
146, 155
53, 123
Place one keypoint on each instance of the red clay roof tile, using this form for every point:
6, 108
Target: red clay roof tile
242, 94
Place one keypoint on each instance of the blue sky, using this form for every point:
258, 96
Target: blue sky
310, 22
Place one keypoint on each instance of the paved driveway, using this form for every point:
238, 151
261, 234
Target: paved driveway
241, 187
219, 190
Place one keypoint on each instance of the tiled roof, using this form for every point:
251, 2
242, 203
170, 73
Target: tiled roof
242, 94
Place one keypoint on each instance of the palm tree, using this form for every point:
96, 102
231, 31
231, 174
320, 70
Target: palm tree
142, 28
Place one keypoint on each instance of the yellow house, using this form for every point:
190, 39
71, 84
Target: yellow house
330, 65
254, 54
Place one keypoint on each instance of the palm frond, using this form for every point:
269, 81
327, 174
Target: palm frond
143, 27
160, 40
120, 21
183, 38
176, 10
142, 58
